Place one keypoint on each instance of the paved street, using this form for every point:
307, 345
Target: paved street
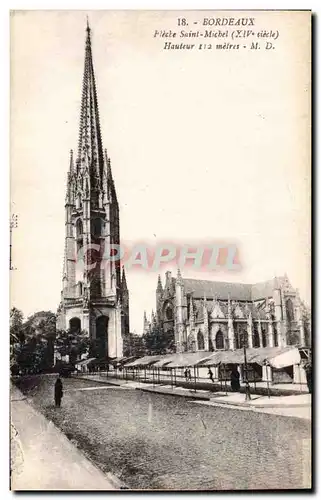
161, 442
48, 461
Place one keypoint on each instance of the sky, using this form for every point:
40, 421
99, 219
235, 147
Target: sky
204, 145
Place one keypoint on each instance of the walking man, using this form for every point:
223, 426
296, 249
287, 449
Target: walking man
186, 374
235, 380
58, 392
210, 375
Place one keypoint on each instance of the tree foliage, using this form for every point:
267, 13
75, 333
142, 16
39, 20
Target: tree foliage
72, 344
159, 341
32, 341
16, 326
133, 345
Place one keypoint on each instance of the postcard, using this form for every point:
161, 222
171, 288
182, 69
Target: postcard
160, 250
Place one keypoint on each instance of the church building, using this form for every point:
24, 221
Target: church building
212, 315
94, 295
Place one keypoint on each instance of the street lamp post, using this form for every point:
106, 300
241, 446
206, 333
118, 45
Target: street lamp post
246, 380
13, 225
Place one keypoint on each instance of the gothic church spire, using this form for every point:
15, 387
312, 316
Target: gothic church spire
90, 144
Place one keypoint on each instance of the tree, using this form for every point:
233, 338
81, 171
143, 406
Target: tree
97, 348
47, 331
72, 344
16, 337
158, 341
134, 345
30, 357
16, 326
32, 341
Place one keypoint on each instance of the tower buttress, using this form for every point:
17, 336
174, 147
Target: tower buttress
159, 297
230, 326
180, 332
206, 325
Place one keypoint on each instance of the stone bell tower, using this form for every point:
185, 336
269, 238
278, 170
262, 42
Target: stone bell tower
94, 295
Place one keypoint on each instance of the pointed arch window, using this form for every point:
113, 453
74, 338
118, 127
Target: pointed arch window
242, 336
219, 340
289, 310
256, 337
79, 229
169, 312
78, 201
191, 347
96, 225
200, 341
275, 335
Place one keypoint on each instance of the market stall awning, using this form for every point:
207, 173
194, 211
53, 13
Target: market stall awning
262, 354
123, 360
145, 361
278, 357
164, 361
287, 358
85, 362
187, 359
223, 357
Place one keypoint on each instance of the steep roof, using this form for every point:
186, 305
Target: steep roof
219, 289
264, 289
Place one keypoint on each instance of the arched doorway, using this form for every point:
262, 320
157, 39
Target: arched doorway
200, 341
75, 325
102, 336
219, 340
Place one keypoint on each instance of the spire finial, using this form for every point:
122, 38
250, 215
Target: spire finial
123, 279
87, 25
71, 165
90, 142
179, 279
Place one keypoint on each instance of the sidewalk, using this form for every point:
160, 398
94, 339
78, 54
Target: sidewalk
292, 406
288, 406
177, 391
42, 458
264, 401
